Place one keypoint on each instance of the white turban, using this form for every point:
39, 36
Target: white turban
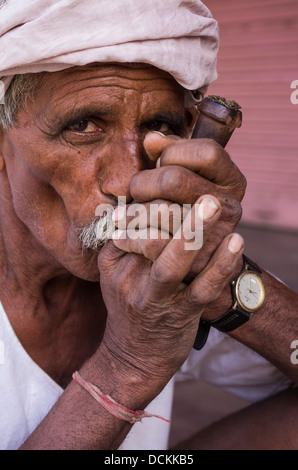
177, 36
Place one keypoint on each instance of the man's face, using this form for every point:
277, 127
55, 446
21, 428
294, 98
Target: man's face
78, 145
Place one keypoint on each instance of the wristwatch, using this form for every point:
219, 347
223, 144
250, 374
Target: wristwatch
248, 297
248, 294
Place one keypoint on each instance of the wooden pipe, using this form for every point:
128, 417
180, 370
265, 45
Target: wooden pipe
218, 119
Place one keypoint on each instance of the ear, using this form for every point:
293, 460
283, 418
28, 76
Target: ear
2, 161
191, 117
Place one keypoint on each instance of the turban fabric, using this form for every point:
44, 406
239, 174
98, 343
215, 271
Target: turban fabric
177, 36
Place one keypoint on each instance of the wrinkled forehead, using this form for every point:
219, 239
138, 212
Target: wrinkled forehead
109, 71
126, 93
140, 77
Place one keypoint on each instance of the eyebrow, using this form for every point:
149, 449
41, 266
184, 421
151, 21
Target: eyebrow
66, 118
58, 122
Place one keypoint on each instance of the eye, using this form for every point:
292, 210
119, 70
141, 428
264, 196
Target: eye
83, 125
159, 126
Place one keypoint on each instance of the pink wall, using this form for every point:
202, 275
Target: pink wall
258, 61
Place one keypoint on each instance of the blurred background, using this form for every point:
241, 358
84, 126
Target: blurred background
258, 61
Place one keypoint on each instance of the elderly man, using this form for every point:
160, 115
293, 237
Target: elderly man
100, 104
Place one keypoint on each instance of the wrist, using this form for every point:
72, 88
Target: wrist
218, 308
115, 375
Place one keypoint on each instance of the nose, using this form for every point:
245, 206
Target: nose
124, 160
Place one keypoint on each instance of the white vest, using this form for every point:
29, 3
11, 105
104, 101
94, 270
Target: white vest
27, 393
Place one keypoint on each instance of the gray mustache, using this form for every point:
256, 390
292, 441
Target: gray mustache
98, 232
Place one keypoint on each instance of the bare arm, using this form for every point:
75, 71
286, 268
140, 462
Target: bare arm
272, 330
268, 425
78, 422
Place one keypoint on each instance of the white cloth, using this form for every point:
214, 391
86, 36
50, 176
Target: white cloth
28, 393
178, 36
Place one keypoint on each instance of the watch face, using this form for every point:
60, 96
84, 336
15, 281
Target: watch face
250, 291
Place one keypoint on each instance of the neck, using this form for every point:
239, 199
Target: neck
29, 275
51, 311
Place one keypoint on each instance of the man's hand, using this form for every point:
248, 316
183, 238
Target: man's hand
186, 169
154, 304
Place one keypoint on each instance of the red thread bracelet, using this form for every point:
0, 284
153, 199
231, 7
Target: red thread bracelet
111, 405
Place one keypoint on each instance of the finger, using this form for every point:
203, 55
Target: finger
204, 156
149, 243
156, 142
175, 261
160, 214
158, 221
173, 183
219, 272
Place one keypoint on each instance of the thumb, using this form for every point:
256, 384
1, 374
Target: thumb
156, 142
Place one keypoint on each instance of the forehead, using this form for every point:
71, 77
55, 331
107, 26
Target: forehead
111, 81
120, 91
112, 72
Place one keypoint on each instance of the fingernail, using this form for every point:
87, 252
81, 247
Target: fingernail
235, 244
209, 208
119, 213
159, 133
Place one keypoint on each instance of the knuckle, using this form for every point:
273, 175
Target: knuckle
193, 299
119, 276
243, 185
209, 291
170, 179
238, 182
211, 151
224, 271
170, 152
204, 293
165, 274
232, 210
